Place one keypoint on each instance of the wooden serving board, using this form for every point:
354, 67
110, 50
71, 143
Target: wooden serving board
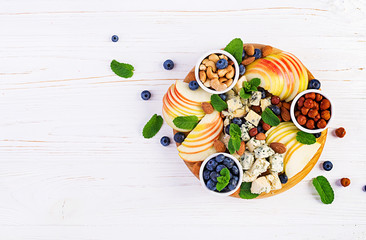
195, 166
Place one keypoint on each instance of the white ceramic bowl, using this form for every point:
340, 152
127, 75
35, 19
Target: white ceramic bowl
197, 70
292, 111
240, 174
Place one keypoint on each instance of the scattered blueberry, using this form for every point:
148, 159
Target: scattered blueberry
243, 55
232, 184
145, 95
263, 93
165, 141
260, 129
114, 38
235, 170
257, 53
276, 110
317, 135
211, 164
222, 63
327, 165
168, 64
193, 85
179, 137
206, 174
283, 178
220, 167
223, 96
238, 121
228, 162
219, 158
364, 188
214, 176
227, 129
241, 69
314, 84
211, 185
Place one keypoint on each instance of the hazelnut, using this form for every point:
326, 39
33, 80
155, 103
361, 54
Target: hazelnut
266, 126
301, 119
325, 115
310, 124
275, 100
300, 102
345, 182
309, 103
297, 113
316, 106
253, 132
340, 132
317, 117
256, 109
313, 113
324, 104
321, 123
304, 111
310, 95
318, 97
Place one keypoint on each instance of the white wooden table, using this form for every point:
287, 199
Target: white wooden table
73, 163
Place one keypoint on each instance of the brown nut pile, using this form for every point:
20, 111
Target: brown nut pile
217, 79
249, 52
313, 111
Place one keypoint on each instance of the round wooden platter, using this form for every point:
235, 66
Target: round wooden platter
195, 166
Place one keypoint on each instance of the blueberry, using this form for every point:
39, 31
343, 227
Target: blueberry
114, 38
226, 189
263, 93
276, 110
257, 53
243, 55
317, 135
238, 121
236, 178
260, 129
314, 84
283, 178
235, 170
193, 85
145, 95
211, 164
327, 165
179, 137
222, 63
227, 129
228, 162
364, 188
206, 174
220, 167
232, 184
241, 69
223, 96
211, 185
219, 158
165, 141
214, 176
168, 64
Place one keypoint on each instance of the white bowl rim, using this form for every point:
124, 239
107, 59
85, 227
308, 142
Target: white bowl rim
292, 111
240, 174
196, 71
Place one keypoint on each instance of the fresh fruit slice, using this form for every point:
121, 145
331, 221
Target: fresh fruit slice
197, 156
198, 95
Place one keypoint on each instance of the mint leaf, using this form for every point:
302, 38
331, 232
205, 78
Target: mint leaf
245, 191
324, 189
235, 130
153, 126
223, 180
186, 122
234, 144
269, 117
252, 88
243, 94
255, 82
124, 70
235, 48
305, 138
217, 103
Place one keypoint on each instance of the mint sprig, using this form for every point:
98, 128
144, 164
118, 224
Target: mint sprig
305, 138
235, 48
217, 103
223, 180
324, 189
235, 140
153, 126
269, 117
249, 87
124, 70
245, 191
186, 122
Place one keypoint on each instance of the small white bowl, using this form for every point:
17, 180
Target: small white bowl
240, 174
197, 70
292, 111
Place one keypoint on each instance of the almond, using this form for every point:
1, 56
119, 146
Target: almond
190, 77
286, 105
278, 147
266, 50
241, 149
249, 50
260, 136
219, 146
248, 60
285, 114
207, 107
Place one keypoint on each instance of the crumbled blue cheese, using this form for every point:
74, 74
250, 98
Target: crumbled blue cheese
276, 162
263, 152
244, 101
244, 133
260, 185
247, 125
235, 155
247, 160
254, 143
230, 94
226, 139
253, 118
259, 166
255, 98
248, 178
226, 121
234, 104
265, 103
274, 180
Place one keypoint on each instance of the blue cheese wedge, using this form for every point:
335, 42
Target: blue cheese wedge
244, 101
248, 178
263, 152
274, 180
276, 161
253, 117
265, 103
244, 133
261, 185
255, 98
259, 166
247, 125
247, 160
254, 143
234, 104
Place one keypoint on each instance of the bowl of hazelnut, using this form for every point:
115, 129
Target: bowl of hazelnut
217, 72
311, 111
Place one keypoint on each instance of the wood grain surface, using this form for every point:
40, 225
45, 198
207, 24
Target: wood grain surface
73, 163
